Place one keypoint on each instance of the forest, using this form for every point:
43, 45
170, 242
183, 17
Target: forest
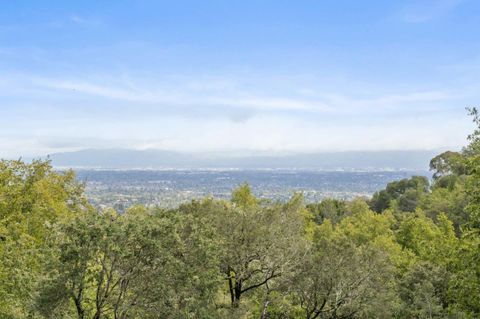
410, 251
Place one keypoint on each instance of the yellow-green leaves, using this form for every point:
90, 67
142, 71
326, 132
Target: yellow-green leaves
33, 200
426, 239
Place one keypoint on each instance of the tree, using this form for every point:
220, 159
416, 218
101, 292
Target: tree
423, 291
465, 283
340, 279
403, 195
33, 199
426, 239
473, 148
423, 287
331, 209
448, 163
259, 242
132, 265
450, 201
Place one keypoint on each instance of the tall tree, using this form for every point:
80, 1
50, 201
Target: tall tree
33, 198
132, 265
259, 242
341, 279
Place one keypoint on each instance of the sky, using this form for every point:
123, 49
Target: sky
234, 76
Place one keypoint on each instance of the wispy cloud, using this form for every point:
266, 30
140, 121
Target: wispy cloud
84, 21
426, 10
236, 98
183, 96
62, 114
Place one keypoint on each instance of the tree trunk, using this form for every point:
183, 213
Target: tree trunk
78, 303
238, 293
78, 306
264, 311
230, 288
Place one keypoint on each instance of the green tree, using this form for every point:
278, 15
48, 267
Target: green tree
423, 291
331, 209
450, 201
136, 265
403, 195
448, 163
465, 283
33, 199
426, 239
259, 242
340, 278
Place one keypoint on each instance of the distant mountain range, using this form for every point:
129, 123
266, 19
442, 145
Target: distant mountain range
159, 159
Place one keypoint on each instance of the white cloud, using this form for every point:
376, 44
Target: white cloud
46, 115
261, 133
207, 96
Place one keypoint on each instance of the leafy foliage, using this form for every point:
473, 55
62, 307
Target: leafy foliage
412, 251
402, 195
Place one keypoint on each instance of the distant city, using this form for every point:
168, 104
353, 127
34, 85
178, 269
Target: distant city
168, 188
121, 178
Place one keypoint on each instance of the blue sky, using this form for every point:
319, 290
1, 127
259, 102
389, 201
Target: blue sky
288, 76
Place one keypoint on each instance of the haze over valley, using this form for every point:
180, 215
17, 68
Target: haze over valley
121, 178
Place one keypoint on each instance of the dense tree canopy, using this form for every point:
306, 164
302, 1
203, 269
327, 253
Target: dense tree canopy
403, 195
411, 251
